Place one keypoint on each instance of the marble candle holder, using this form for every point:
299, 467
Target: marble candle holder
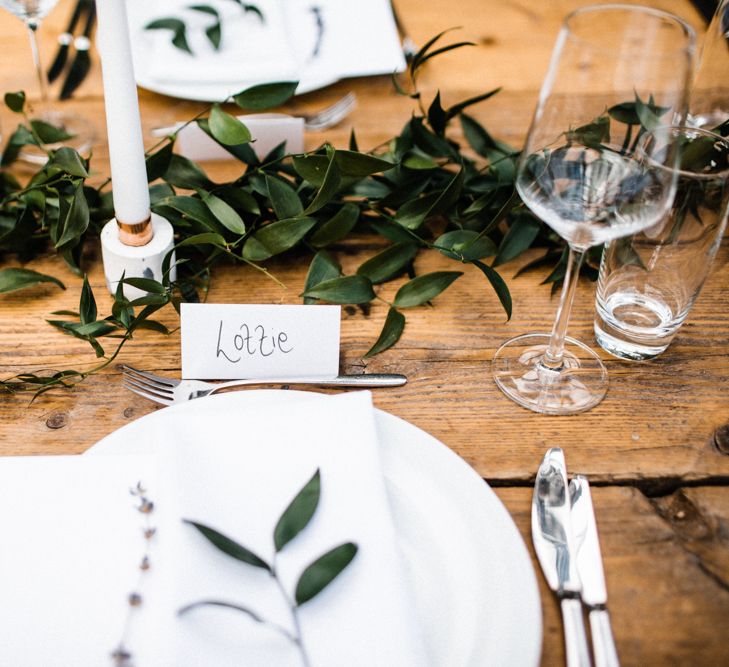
136, 251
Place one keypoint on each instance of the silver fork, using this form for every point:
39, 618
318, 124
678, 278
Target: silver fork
316, 121
331, 115
169, 391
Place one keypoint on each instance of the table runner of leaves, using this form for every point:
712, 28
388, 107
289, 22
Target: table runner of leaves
421, 192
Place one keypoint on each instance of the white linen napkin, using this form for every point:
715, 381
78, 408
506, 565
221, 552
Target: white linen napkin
72, 545
237, 473
251, 50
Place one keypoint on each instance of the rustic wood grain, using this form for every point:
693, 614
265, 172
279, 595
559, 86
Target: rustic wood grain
667, 575
656, 447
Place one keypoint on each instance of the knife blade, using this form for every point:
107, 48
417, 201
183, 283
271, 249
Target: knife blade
82, 61
554, 545
591, 573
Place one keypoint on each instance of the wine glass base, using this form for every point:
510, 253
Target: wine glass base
81, 140
578, 385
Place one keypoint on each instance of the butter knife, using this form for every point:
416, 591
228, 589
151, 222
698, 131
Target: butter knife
592, 575
555, 548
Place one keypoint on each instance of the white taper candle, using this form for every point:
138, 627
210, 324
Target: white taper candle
124, 128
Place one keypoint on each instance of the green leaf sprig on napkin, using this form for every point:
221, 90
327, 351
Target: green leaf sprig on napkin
312, 581
213, 32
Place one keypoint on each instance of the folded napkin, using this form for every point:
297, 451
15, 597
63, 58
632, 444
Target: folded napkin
237, 473
313, 43
251, 50
72, 544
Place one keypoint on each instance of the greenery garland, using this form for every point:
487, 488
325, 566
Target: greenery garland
420, 191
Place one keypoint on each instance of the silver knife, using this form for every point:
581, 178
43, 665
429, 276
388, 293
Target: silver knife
589, 567
555, 547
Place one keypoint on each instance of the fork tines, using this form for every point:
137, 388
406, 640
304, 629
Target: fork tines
148, 385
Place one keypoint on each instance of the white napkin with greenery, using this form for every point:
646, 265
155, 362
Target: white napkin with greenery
237, 473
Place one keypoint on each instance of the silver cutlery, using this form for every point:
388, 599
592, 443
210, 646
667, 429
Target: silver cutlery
331, 115
82, 60
555, 547
169, 391
316, 121
592, 575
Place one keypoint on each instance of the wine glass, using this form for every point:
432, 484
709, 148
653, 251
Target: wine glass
616, 71
709, 106
32, 12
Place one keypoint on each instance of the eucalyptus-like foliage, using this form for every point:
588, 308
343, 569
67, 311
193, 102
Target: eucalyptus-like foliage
420, 192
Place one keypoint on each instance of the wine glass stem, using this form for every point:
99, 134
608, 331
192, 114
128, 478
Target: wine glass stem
552, 358
42, 78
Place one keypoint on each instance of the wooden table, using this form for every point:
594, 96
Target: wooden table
655, 449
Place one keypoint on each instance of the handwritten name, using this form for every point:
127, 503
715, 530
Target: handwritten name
252, 341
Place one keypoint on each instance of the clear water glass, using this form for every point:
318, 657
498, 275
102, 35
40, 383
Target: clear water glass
616, 71
649, 282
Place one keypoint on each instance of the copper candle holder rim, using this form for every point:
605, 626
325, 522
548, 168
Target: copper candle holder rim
137, 234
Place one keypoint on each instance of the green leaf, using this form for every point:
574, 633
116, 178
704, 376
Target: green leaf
15, 101
482, 142
414, 213
17, 279
75, 220
228, 546
317, 576
21, 137
390, 334
243, 152
437, 117
146, 285
522, 233
208, 238
418, 160
227, 129
213, 31
312, 168
47, 133
465, 245
328, 190
389, 263
193, 208
298, 514
649, 119
458, 108
323, 267
360, 164
87, 305
285, 201
337, 227
158, 163
225, 214
184, 173
265, 95
424, 288
500, 287
178, 28
282, 235
70, 161
347, 289
592, 135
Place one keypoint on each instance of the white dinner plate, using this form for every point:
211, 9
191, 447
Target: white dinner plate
475, 589
349, 38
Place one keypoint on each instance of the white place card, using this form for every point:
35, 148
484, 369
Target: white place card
234, 341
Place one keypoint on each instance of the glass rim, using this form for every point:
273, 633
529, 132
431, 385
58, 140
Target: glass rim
689, 32
684, 130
